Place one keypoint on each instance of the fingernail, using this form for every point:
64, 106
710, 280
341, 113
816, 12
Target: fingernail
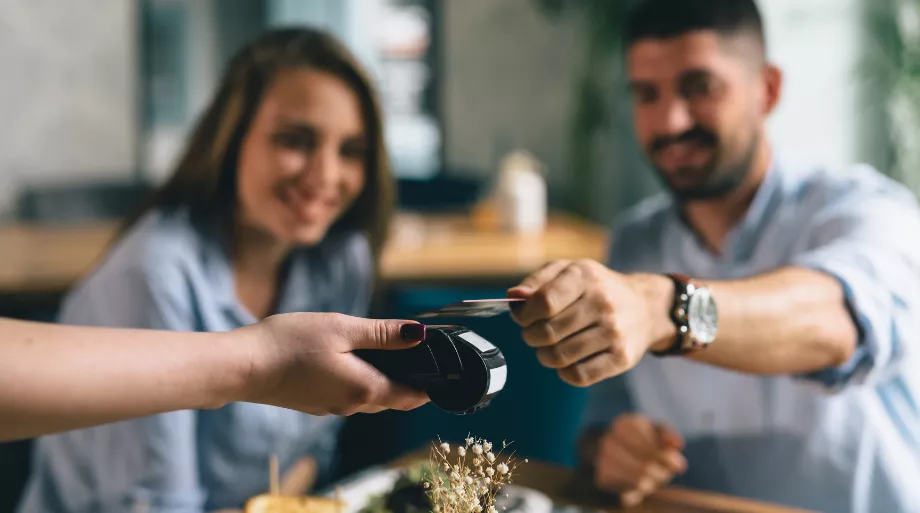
412, 332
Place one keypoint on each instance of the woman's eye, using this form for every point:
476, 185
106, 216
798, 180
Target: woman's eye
353, 151
295, 141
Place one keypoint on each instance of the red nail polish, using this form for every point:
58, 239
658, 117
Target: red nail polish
413, 332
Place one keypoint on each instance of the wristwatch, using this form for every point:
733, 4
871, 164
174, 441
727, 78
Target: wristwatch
695, 316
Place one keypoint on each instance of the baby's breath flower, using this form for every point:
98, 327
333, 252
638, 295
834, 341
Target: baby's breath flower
467, 487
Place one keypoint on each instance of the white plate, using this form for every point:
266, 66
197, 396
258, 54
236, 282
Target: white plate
358, 490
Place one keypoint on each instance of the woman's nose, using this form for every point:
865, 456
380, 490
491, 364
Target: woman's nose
323, 168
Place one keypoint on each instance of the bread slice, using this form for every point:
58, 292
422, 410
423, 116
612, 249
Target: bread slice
279, 504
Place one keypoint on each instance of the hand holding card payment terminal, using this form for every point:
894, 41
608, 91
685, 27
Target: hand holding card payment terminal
459, 370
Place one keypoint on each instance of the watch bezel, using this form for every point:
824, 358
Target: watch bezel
700, 303
691, 303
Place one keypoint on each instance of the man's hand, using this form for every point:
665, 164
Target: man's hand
635, 458
304, 362
591, 323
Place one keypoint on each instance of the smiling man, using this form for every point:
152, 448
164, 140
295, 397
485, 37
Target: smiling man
768, 312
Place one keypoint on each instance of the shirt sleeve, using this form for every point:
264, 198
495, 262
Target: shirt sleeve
164, 477
866, 234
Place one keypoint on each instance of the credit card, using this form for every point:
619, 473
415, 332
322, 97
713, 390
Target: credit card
473, 308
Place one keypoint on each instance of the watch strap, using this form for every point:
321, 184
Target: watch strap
683, 342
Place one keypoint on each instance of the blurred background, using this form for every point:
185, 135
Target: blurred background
98, 96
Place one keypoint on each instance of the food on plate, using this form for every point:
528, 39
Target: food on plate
268, 503
408, 494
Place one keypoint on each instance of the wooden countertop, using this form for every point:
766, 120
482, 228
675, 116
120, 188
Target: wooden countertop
564, 486
38, 259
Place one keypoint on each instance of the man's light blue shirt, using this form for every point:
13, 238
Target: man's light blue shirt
168, 273
844, 440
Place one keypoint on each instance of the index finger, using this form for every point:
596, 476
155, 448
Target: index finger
552, 298
382, 391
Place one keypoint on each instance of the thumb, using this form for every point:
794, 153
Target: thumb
384, 334
520, 292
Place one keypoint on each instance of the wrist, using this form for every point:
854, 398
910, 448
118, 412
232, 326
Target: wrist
237, 376
657, 291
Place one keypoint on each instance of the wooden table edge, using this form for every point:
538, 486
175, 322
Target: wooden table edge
673, 495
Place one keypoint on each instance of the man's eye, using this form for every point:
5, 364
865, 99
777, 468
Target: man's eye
644, 95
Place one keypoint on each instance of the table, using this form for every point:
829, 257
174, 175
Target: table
565, 487
37, 259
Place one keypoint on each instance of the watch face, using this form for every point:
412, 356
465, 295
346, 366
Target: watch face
702, 316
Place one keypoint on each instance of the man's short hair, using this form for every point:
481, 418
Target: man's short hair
662, 19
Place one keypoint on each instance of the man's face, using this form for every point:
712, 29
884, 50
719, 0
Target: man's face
700, 102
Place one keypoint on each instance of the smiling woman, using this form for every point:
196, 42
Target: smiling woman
279, 204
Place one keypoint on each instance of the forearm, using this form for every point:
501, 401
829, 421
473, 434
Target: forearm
55, 378
789, 321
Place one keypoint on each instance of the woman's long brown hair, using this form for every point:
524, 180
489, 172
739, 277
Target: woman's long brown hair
204, 181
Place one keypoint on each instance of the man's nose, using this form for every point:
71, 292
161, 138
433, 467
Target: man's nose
675, 117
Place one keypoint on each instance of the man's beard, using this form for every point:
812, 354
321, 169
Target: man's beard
721, 178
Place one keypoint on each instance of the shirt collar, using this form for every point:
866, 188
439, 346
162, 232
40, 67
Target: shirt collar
743, 238
294, 293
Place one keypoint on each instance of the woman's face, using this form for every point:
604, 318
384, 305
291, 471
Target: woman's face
302, 163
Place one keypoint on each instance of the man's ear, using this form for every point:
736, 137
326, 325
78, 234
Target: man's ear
773, 87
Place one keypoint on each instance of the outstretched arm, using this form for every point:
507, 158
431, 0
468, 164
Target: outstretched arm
55, 378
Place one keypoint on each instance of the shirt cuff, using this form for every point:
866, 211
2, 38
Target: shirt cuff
871, 314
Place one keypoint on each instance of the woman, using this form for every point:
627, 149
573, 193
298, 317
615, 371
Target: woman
279, 204
56, 378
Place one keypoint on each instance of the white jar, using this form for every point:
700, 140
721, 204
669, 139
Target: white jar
520, 194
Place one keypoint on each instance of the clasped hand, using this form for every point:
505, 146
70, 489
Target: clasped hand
591, 323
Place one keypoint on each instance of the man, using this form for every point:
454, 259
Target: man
785, 368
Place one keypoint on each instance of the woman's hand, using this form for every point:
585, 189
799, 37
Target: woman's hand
304, 362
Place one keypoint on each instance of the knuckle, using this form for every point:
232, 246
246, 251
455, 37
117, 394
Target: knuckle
544, 301
575, 375
623, 424
360, 395
547, 332
539, 334
559, 355
606, 304
618, 354
586, 266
